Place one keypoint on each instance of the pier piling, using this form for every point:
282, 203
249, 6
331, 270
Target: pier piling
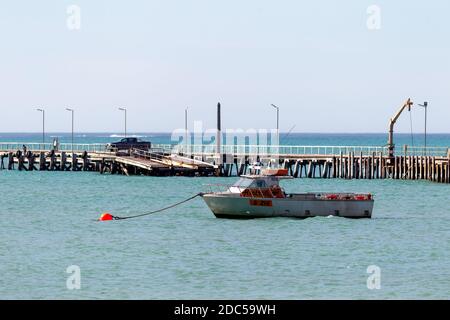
346, 163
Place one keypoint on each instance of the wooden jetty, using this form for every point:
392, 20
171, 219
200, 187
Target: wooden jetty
344, 162
132, 162
354, 162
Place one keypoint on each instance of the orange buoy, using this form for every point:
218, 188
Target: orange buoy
106, 217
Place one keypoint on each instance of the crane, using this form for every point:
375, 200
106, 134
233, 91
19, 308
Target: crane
408, 104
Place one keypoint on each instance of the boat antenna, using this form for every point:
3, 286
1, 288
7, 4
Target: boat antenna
287, 134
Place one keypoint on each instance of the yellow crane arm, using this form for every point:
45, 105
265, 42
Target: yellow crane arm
392, 122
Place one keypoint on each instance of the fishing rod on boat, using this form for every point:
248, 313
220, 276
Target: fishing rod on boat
107, 216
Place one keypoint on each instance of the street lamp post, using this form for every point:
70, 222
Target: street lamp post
72, 111
125, 112
278, 123
425, 106
43, 125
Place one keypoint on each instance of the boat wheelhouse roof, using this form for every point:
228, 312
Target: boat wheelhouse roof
260, 176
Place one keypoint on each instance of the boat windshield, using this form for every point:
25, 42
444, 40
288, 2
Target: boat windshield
243, 183
254, 183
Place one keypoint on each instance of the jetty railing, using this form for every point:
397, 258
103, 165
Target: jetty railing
287, 150
211, 149
77, 147
422, 151
147, 154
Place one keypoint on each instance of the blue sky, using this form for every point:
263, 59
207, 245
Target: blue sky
316, 60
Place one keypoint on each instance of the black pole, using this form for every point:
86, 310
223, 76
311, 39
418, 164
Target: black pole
219, 137
219, 124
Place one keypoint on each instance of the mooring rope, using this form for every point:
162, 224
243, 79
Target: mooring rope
159, 210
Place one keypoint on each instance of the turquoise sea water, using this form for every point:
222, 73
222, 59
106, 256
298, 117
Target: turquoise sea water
47, 224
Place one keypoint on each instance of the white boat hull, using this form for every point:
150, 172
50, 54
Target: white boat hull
226, 205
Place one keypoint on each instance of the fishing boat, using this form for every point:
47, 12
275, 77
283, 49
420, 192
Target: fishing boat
261, 196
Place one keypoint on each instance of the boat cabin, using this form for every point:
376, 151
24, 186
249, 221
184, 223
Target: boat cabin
259, 186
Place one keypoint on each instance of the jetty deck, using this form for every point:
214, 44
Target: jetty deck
345, 162
96, 158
